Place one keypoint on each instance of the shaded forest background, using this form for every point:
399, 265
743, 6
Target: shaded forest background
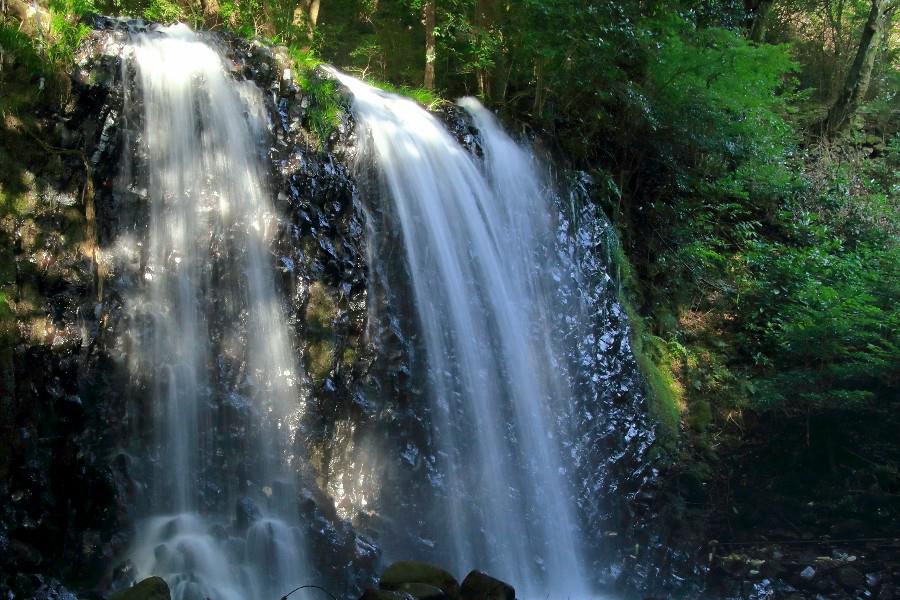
748, 154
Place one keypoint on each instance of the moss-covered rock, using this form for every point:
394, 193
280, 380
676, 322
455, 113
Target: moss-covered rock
152, 588
480, 586
321, 309
399, 575
319, 359
372, 594
423, 591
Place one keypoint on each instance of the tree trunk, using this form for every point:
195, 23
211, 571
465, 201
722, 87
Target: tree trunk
856, 84
306, 15
428, 19
485, 18
313, 19
760, 19
538, 106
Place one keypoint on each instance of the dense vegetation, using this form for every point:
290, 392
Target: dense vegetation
748, 153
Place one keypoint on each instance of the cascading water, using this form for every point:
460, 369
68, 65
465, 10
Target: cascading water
209, 336
478, 241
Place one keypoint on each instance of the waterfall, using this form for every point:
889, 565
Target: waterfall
210, 341
478, 237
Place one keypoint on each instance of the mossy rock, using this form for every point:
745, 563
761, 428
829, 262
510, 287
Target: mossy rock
396, 576
152, 588
423, 591
321, 309
319, 359
371, 594
480, 586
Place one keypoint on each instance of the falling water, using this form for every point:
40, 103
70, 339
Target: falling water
210, 337
478, 239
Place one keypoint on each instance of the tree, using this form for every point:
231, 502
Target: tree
856, 84
760, 10
307, 14
428, 10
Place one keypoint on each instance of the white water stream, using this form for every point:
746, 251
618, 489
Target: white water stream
209, 325
478, 239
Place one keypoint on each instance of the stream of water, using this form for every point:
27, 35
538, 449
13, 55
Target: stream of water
478, 240
211, 339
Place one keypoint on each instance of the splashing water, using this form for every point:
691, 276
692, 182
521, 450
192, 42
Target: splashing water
210, 339
478, 241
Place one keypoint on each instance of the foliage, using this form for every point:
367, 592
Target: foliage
823, 299
324, 114
67, 28
22, 47
164, 11
426, 98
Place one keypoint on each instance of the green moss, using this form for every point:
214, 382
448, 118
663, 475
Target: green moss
657, 359
319, 359
321, 309
348, 356
17, 205
7, 317
152, 588
320, 312
658, 366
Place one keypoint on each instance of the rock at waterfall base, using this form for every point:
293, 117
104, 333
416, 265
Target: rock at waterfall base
152, 588
399, 575
480, 586
371, 594
422, 591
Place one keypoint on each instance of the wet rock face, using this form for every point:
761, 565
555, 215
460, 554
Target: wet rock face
152, 588
78, 460
58, 412
614, 476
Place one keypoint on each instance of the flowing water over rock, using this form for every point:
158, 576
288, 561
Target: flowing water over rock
479, 245
209, 337
231, 249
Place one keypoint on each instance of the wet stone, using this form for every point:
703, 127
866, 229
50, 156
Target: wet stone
406, 572
422, 591
372, 594
480, 586
152, 588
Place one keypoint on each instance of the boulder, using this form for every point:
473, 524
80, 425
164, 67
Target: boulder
411, 571
480, 586
423, 591
370, 594
152, 588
